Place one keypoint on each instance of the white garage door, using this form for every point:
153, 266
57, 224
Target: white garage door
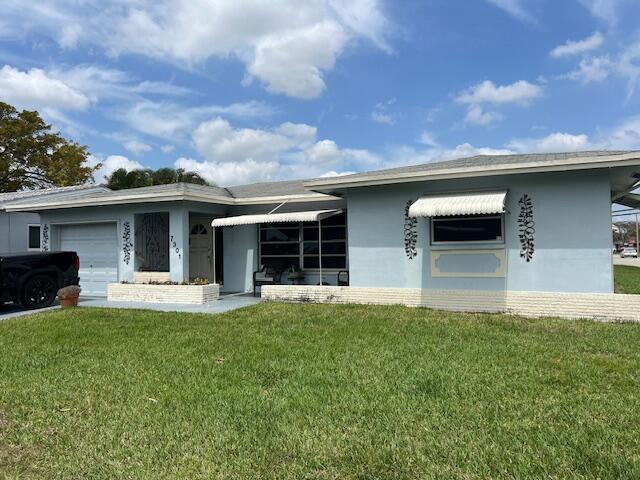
97, 247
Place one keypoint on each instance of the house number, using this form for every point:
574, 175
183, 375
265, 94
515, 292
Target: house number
175, 246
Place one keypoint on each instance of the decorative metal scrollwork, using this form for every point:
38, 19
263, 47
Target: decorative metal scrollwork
527, 228
410, 233
45, 237
126, 242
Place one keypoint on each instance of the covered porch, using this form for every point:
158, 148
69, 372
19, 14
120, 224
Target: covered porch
291, 247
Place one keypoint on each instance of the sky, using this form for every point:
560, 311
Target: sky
242, 91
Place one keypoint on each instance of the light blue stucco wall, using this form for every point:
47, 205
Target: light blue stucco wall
14, 230
572, 235
178, 229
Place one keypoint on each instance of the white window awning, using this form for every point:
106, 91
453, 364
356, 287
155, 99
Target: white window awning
471, 203
309, 216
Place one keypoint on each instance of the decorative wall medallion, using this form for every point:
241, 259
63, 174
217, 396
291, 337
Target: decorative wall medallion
410, 233
45, 237
126, 242
526, 228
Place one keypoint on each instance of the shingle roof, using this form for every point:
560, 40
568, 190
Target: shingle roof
484, 162
269, 189
29, 194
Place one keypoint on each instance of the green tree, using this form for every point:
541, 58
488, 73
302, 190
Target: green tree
121, 179
32, 157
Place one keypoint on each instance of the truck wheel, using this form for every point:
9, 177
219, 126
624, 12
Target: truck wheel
38, 292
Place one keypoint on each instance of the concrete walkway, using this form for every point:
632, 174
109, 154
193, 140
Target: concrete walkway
226, 303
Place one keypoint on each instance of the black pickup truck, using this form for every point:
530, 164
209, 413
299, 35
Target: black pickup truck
32, 279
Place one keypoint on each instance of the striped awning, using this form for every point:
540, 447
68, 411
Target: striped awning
471, 203
309, 216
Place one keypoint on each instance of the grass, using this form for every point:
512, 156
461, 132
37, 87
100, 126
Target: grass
626, 279
317, 391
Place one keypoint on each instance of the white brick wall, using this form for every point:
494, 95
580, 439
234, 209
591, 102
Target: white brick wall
607, 307
139, 292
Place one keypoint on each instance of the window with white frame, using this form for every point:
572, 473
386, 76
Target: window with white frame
33, 237
283, 245
467, 229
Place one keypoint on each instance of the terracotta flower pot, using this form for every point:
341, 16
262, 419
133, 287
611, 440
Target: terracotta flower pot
68, 296
69, 301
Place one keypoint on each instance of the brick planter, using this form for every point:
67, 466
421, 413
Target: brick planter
141, 292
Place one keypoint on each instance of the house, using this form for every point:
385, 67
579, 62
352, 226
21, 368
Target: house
472, 233
20, 231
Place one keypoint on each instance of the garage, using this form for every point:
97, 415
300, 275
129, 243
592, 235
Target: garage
97, 247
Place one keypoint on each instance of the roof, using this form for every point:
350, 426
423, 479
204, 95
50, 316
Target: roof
269, 189
481, 165
323, 189
257, 193
50, 193
10, 196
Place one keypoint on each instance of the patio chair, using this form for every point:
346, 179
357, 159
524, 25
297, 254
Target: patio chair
266, 276
343, 278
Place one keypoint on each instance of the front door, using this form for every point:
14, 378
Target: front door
200, 249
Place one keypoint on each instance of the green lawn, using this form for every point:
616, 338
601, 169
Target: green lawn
626, 279
317, 391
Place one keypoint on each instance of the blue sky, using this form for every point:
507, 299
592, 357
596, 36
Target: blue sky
247, 90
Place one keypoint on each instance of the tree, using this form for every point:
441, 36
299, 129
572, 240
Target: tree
121, 179
33, 157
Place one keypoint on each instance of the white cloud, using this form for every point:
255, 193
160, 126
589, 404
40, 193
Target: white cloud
380, 113
607, 10
111, 164
623, 136
555, 142
287, 45
218, 141
624, 64
381, 117
231, 173
167, 148
136, 146
628, 66
232, 155
427, 138
520, 92
35, 89
591, 69
168, 120
324, 152
333, 173
571, 47
477, 116
515, 8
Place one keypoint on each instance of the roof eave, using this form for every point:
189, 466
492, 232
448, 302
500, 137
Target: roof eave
129, 199
629, 159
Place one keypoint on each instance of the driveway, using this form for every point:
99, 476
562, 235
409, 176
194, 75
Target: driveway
224, 304
11, 311
631, 262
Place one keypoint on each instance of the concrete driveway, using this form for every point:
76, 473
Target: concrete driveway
224, 304
631, 262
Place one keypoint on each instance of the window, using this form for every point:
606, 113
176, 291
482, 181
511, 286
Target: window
296, 244
34, 237
470, 228
280, 245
